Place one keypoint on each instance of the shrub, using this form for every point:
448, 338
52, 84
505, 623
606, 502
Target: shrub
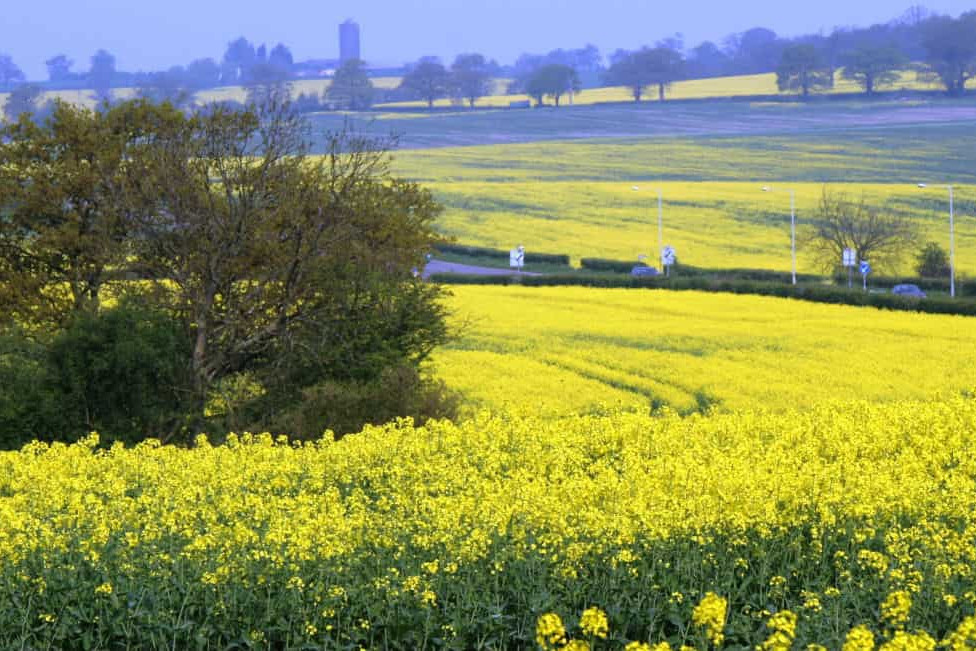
346, 406
123, 373
932, 262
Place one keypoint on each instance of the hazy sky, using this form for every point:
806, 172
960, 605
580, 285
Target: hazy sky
154, 34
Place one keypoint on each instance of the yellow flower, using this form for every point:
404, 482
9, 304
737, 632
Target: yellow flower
902, 641
104, 588
964, 637
641, 646
576, 645
895, 608
783, 627
710, 614
550, 632
859, 638
594, 623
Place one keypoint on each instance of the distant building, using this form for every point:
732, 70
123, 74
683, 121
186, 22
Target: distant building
349, 41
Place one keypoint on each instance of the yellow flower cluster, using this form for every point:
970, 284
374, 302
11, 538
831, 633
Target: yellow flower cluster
782, 626
594, 623
895, 608
550, 632
710, 614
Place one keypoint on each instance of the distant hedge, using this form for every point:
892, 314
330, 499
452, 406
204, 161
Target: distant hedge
482, 252
817, 293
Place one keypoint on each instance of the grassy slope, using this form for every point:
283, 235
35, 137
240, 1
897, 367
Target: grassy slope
569, 350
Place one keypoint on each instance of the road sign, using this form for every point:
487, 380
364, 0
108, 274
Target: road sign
667, 256
516, 257
865, 267
850, 258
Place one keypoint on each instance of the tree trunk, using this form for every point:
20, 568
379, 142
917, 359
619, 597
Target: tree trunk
660, 92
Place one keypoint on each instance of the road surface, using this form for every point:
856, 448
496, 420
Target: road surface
441, 267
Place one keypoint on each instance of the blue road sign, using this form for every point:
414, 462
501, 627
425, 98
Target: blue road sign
865, 267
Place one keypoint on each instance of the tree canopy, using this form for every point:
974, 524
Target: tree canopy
802, 68
427, 79
950, 47
554, 80
351, 88
290, 275
873, 66
471, 75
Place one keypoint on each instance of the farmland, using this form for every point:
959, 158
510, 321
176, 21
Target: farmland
714, 88
846, 520
559, 351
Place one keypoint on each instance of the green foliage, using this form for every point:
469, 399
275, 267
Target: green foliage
932, 262
802, 68
346, 406
471, 77
659, 66
950, 46
123, 372
290, 270
428, 80
483, 252
873, 66
554, 80
351, 88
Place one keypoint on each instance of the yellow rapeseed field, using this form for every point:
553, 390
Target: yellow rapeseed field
557, 351
846, 521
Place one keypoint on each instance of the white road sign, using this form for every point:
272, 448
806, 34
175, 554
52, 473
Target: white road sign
516, 257
667, 256
850, 258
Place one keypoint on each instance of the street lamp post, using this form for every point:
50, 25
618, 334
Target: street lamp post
792, 226
660, 221
952, 238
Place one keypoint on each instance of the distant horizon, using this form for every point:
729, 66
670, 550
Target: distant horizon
148, 37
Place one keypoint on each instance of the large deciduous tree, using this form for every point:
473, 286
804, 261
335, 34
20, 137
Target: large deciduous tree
428, 80
64, 203
873, 66
802, 69
950, 46
840, 222
472, 78
351, 88
659, 66
554, 80
10, 73
59, 68
290, 275
101, 75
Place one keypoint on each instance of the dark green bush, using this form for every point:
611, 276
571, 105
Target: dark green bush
481, 252
123, 373
346, 406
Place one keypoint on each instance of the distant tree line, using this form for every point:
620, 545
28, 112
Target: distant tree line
935, 48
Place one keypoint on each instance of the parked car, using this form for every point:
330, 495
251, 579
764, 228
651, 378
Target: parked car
642, 270
908, 290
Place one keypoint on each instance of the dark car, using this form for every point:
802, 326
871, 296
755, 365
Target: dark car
908, 290
641, 270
